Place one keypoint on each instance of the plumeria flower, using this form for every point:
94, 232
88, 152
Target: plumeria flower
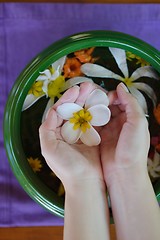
154, 165
94, 70
80, 120
51, 83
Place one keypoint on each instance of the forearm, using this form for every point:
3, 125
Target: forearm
86, 212
135, 208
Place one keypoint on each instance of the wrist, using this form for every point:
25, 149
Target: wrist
85, 186
130, 176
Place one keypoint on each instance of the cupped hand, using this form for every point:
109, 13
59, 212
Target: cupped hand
69, 162
125, 139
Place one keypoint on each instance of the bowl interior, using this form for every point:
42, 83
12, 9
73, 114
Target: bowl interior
27, 163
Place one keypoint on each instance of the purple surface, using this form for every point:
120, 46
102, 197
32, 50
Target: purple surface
25, 30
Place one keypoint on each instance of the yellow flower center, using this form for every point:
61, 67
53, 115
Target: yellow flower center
80, 120
55, 87
128, 81
36, 89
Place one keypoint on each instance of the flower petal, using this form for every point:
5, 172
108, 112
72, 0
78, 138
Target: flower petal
156, 160
146, 71
120, 58
55, 75
48, 106
46, 73
100, 115
154, 174
158, 169
150, 163
66, 110
59, 64
94, 70
74, 81
140, 98
96, 97
29, 101
147, 89
90, 137
69, 135
42, 78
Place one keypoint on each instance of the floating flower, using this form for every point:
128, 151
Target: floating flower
84, 55
131, 56
81, 120
154, 165
51, 83
94, 70
35, 164
72, 68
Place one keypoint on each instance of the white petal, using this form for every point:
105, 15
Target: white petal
49, 105
146, 71
29, 101
140, 98
94, 70
90, 137
47, 73
154, 174
66, 110
42, 78
158, 169
69, 134
55, 75
96, 97
150, 163
156, 160
147, 89
120, 58
45, 87
100, 115
59, 64
74, 81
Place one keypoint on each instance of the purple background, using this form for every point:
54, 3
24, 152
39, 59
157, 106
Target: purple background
25, 30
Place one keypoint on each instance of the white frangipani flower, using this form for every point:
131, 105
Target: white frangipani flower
94, 70
51, 83
80, 120
40, 87
154, 165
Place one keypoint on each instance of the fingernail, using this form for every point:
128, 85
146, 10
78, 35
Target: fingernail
124, 87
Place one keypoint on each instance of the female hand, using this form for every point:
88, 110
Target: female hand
74, 162
125, 139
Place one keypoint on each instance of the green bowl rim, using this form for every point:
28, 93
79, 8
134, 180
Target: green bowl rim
100, 38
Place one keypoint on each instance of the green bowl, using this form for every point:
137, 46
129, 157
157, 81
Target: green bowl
31, 183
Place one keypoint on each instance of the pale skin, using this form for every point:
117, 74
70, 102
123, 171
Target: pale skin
119, 162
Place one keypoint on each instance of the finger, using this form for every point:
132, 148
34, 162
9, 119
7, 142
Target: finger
128, 103
113, 98
50, 124
85, 89
69, 96
47, 132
